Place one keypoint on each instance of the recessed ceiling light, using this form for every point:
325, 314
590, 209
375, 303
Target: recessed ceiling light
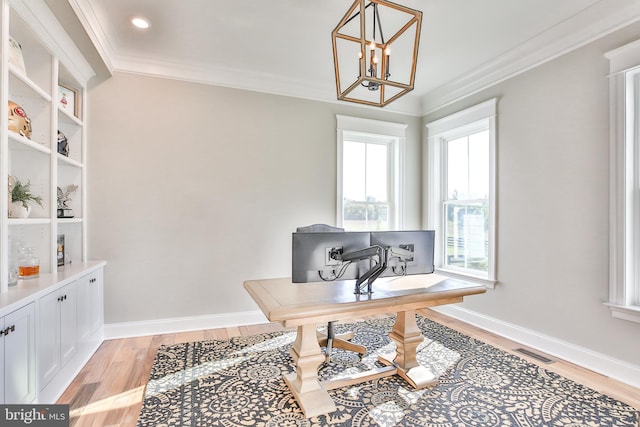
140, 22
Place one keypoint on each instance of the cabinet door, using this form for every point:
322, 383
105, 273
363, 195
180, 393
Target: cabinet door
57, 332
68, 322
48, 338
84, 307
97, 300
90, 304
19, 356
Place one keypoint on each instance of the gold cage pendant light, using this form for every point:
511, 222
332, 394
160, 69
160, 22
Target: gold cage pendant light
362, 56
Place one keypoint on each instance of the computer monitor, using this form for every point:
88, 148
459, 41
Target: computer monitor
314, 256
408, 252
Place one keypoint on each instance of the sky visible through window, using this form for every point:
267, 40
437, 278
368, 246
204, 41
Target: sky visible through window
468, 167
365, 171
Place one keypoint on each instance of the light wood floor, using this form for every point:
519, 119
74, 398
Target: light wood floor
109, 390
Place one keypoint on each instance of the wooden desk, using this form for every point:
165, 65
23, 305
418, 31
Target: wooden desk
305, 305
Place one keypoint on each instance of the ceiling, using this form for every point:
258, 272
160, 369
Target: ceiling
284, 46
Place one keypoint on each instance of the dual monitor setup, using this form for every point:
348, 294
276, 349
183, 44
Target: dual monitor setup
360, 256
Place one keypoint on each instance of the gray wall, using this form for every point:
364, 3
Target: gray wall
194, 189
553, 202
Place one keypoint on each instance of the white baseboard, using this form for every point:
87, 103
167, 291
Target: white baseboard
181, 324
619, 370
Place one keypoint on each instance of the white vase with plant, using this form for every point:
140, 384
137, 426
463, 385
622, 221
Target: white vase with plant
21, 197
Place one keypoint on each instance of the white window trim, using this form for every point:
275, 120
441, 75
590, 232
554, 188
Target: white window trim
624, 167
481, 117
375, 129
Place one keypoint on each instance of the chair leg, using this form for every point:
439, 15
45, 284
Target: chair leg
331, 341
331, 335
348, 345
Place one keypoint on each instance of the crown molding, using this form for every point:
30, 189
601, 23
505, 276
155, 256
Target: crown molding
592, 23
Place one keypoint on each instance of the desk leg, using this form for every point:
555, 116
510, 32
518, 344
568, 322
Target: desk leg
303, 383
408, 337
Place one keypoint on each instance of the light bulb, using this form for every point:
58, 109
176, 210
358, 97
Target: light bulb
140, 22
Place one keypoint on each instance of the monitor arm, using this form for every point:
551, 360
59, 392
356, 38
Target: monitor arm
384, 255
362, 254
403, 254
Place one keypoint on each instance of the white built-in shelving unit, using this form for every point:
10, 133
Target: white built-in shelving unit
50, 58
49, 326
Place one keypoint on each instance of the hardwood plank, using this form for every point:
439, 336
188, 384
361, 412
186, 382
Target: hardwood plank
216, 334
109, 389
100, 360
192, 336
81, 397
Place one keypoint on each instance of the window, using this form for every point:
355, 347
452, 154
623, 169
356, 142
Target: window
461, 191
624, 236
369, 165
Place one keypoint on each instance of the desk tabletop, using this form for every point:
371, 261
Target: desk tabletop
297, 303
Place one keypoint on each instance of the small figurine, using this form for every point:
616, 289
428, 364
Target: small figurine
64, 211
63, 144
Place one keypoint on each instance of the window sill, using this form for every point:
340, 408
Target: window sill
625, 312
489, 284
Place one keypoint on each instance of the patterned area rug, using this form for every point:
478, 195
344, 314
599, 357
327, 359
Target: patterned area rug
238, 382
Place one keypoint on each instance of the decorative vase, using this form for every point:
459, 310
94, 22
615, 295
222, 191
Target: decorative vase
17, 210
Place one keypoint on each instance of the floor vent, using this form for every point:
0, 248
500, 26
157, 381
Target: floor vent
534, 355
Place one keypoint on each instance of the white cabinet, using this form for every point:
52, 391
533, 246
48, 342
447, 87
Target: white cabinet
57, 331
49, 331
90, 305
17, 356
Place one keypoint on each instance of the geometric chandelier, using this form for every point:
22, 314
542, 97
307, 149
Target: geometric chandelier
362, 55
